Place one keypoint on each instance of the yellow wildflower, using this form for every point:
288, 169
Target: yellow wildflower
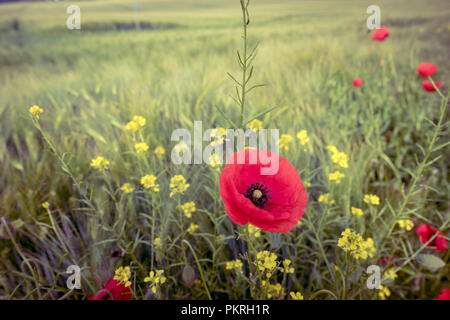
357, 212
157, 243
302, 137
123, 274
253, 231
384, 292
149, 182
215, 161
35, 111
371, 199
332, 149
286, 266
340, 158
284, 141
218, 136
390, 274
45, 205
178, 185
135, 124
406, 224
132, 126
188, 208
255, 125
100, 163
159, 152
156, 279
296, 295
351, 241
192, 228
325, 198
266, 262
273, 290
141, 147
336, 176
127, 188
141, 121
235, 265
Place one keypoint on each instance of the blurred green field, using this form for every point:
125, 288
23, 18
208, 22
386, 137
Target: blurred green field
90, 82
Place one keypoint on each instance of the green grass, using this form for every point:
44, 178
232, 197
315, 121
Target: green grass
92, 82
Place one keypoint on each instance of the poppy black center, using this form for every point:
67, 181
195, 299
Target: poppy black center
259, 194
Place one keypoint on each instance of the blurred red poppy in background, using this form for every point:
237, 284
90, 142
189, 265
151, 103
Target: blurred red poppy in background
444, 295
387, 261
380, 34
428, 86
425, 232
426, 69
357, 82
114, 290
274, 202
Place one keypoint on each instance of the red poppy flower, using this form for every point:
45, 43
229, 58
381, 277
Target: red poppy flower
114, 290
357, 82
380, 34
273, 202
426, 69
428, 86
425, 232
444, 295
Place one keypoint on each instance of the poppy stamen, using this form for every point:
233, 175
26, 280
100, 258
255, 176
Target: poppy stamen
258, 193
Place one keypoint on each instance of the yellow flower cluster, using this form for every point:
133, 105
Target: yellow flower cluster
325, 198
192, 228
135, 124
284, 141
188, 208
351, 241
371, 199
338, 157
255, 125
141, 147
127, 188
253, 231
273, 290
336, 176
215, 161
286, 266
235, 265
156, 279
157, 243
123, 274
296, 295
390, 274
218, 136
384, 292
302, 137
35, 111
100, 163
178, 185
266, 262
149, 182
357, 212
406, 224
160, 152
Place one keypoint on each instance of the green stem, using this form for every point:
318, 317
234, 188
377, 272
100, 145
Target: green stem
199, 268
244, 62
